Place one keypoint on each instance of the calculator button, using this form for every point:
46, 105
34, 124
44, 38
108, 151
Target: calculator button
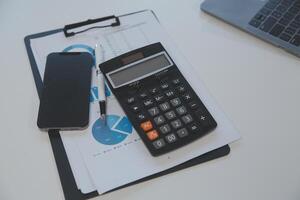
181, 110
175, 102
153, 111
176, 124
170, 115
152, 135
153, 90
146, 126
203, 119
171, 138
159, 143
169, 93
159, 98
164, 106
187, 97
159, 120
148, 102
130, 100
135, 108
165, 129
193, 127
187, 119
182, 132
193, 105
176, 81
143, 95
164, 86
141, 117
181, 89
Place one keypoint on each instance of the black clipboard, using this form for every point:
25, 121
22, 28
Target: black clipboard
63, 166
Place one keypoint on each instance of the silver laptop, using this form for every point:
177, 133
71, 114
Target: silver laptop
275, 21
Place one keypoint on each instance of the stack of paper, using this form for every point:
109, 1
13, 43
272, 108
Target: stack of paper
105, 157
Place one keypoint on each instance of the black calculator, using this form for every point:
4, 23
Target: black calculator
161, 105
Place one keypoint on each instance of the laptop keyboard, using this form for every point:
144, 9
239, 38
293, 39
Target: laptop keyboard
280, 18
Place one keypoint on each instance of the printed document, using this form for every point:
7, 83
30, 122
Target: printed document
104, 157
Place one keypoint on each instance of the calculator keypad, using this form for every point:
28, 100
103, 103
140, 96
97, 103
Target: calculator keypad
175, 102
165, 129
176, 124
153, 90
152, 135
148, 102
164, 106
141, 117
159, 98
159, 120
130, 100
153, 111
143, 94
159, 143
146, 126
169, 114
135, 108
187, 119
171, 138
182, 132
164, 86
181, 110
169, 93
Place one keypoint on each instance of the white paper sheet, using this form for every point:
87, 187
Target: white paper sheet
116, 156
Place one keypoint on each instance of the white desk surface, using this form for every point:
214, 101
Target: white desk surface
256, 84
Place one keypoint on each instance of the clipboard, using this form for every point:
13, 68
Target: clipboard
63, 166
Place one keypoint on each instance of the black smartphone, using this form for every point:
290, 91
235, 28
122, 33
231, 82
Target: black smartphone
64, 103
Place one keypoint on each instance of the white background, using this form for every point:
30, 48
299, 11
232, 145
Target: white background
256, 84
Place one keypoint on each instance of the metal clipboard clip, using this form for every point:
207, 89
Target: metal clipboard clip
68, 27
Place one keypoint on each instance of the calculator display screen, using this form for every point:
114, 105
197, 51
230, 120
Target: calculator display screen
139, 69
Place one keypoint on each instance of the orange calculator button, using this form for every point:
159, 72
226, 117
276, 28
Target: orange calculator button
152, 135
146, 126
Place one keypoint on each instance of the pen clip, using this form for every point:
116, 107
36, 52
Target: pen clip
98, 72
88, 22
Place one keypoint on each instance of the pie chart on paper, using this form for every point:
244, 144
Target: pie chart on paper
115, 131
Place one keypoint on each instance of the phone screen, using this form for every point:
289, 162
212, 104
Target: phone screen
64, 103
